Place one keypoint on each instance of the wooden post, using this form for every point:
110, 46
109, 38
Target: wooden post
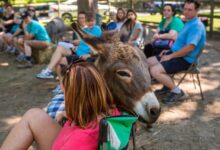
87, 6
131, 4
161, 8
211, 18
58, 8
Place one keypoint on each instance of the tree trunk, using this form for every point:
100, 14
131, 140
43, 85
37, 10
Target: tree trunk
87, 6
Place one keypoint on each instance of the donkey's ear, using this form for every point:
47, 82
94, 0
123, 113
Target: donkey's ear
96, 44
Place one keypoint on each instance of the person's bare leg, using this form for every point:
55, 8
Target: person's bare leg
152, 61
59, 69
6, 38
160, 75
57, 55
19, 44
35, 125
29, 44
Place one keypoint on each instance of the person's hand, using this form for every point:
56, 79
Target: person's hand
60, 116
24, 26
75, 42
84, 57
163, 52
156, 36
130, 43
21, 41
11, 39
165, 58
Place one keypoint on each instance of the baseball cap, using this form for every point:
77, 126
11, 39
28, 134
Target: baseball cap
25, 15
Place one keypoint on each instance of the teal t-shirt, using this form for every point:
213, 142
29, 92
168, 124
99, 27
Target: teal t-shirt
83, 48
38, 31
175, 24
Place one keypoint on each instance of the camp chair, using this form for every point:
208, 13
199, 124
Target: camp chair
115, 131
193, 70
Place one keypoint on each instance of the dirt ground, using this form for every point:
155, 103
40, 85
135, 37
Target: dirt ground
189, 125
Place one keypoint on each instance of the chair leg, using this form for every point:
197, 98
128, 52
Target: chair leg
194, 81
200, 87
182, 79
133, 137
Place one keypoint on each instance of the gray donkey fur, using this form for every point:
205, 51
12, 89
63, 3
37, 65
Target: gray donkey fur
126, 73
56, 29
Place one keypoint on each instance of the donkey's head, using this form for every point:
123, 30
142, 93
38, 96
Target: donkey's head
126, 73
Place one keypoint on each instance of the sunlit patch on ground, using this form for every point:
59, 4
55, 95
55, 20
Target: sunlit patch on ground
4, 64
177, 113
10, 121
212, 111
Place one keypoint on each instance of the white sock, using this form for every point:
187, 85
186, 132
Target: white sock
176, 90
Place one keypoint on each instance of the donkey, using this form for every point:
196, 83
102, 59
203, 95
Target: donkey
56, 29
126, 72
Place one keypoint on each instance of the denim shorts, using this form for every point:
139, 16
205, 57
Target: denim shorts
174, 65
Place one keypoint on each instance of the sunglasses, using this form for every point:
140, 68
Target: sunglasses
66, 69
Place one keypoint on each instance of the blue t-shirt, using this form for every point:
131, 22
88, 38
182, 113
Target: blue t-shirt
192, 33
38, 31
83, 48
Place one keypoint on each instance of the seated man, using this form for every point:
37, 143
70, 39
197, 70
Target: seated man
35, 36
82, 51
6, 23
184, 51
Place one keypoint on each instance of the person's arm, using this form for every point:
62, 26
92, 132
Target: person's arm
135, 35
181, 53
17, 32
27, 35
11, 21
76, 42
84, 57
1, 26
171, 35
60, 116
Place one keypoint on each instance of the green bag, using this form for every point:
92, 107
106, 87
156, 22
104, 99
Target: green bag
115, 131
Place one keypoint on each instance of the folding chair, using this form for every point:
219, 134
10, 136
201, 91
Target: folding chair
115, 132
193, 70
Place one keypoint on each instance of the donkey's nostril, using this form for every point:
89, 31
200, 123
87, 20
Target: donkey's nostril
154, 112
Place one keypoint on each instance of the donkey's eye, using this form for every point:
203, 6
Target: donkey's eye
124, 74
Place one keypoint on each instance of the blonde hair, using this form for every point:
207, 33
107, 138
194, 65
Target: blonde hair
86, 94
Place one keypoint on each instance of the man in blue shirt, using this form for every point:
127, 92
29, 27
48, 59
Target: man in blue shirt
184, 51
35, 36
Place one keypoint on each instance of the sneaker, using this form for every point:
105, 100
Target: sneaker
26, 64
13, 50
20, 58
8, 49
162, 91
45, 74
173, 97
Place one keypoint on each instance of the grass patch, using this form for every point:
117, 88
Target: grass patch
150, 18
17, 2
157, 18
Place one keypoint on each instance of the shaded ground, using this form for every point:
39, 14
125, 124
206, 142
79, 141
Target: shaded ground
189, 125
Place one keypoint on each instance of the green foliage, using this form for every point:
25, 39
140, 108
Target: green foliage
14, 2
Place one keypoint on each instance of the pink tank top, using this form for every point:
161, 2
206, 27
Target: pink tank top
73, 137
